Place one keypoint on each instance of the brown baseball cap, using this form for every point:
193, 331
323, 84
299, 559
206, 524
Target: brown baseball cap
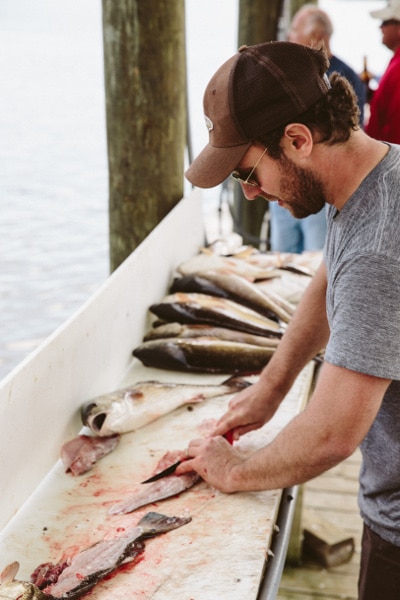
260, 88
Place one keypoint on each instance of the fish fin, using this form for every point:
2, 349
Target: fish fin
9, 572
154, 523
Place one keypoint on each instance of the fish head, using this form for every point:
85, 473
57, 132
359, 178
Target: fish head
13, 589
104, 419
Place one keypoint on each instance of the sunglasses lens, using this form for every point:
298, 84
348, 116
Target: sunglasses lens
240, 179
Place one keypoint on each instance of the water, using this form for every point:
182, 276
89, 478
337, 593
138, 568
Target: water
53, 184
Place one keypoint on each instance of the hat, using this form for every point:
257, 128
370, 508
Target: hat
257, 90
391, 11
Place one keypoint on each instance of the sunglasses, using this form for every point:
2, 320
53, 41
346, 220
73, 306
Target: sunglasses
249, 181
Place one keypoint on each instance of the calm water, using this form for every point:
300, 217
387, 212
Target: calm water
53, 184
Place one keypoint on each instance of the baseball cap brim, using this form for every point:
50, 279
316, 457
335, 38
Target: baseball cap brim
213, 165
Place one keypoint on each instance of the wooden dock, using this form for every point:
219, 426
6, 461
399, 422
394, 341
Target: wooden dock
332, 498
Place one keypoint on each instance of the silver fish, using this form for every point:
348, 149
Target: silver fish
93, 564
234, 287
226, 264
171, 330
13, 589
202, 308
170, 485
204, 355
133, 407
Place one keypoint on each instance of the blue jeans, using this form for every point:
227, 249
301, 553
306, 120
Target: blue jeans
289, 234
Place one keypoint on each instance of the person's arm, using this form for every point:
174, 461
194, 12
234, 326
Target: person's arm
306, 335
339, 415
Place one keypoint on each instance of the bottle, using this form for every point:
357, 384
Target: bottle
366, 76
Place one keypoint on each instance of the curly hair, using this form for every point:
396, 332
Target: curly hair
331, 120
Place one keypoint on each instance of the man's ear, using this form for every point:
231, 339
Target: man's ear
297, 140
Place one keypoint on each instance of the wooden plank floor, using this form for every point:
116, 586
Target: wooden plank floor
332, 497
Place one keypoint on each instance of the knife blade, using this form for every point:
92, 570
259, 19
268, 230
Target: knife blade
172, 468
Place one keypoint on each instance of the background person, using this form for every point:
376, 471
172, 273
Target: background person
384, 121
310, 26
291, 136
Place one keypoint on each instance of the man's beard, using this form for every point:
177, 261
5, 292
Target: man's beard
303, 192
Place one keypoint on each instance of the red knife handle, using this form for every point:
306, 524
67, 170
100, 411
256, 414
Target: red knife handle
229, 436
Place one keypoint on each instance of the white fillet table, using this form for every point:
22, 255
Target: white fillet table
231, 547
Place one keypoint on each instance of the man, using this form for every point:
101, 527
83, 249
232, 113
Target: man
311, 26
291, 136
384, 121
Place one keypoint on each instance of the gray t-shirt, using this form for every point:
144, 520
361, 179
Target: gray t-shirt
362, 255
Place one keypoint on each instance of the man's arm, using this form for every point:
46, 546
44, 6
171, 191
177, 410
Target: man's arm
306, 335
337, 418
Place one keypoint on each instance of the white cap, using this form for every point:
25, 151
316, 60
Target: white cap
391, 11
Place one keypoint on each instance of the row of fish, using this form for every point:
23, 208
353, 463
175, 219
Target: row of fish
251, 263
71, 580
235, 294
210, 302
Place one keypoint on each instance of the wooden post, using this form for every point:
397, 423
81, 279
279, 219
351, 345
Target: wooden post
144, 55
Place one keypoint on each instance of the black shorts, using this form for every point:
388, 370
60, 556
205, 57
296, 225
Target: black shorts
380, 568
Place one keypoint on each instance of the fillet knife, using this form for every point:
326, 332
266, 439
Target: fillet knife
172, 468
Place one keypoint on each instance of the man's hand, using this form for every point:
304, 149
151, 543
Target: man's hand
215, 460
248, 410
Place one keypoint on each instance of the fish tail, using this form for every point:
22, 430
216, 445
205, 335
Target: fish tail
154, 523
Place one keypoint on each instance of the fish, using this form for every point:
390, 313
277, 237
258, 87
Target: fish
137, 405
288, 288
82, 452
92, 564
170, 485
299, 269
234, 287
204, 355
227, 264
14, 589
168, 330
210, 310
310, 261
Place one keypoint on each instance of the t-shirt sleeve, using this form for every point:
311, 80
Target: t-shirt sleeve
364, 316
